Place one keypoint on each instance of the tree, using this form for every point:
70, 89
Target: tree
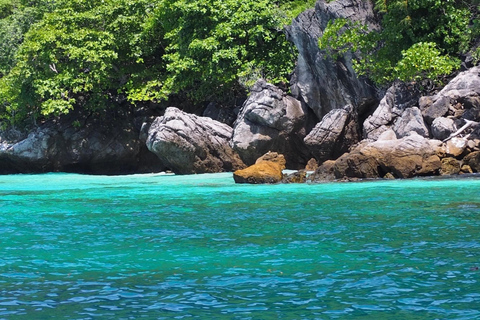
433, 32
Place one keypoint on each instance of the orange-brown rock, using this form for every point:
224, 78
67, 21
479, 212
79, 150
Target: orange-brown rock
450, 166
261, 172
273, 157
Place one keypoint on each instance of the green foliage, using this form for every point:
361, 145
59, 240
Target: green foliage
416, 40
212, 45
84, 53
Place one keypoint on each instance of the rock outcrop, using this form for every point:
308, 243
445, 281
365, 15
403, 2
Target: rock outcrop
267, 169
411, 156
99, 144
322, 83
270, 120
186, 143
334, 135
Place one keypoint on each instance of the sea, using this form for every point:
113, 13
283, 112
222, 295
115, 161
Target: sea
158, 246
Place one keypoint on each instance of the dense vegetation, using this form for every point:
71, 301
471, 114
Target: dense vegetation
56, 55
418, 39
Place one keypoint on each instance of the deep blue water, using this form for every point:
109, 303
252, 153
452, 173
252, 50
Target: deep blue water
201, 247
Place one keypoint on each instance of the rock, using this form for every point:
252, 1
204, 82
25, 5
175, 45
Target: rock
322, 83
295, 177
312, 165
449, 166
473, 161
456, 146
438, 108
324, 173
271, 121
466, 169
399, 97
464, 90
273, 157
404, 158
334, 135
94, 144
389, 134
221, 113
442, 128
410, 121
389, 176
259, 173
187, 143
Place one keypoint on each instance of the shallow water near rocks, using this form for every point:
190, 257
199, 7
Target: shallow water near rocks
201, 247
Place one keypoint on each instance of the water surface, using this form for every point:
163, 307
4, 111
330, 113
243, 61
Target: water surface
201, 247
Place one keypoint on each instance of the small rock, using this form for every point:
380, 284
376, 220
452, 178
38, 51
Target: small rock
312, 165
466, 169
259, 173
473, 160
442, 128
456, 146
449, 166
295, 177
389, 176
325, 172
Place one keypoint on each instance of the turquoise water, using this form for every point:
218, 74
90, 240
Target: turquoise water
201, 247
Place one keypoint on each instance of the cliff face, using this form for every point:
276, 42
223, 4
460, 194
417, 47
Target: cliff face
331, 115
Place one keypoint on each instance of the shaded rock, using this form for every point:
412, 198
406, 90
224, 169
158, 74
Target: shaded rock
404, 158
466, 169
221, 113
259, 173
312, 165
456, 146
98, 143
399, 97
270, 120
187, 143
324, 172
442, 128
334, 135
438, 107
295, 177
449, 166
473, 161
410, 121
322, 83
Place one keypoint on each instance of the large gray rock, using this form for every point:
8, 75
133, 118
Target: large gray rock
322, 83
411, 156
334, 135
399, 97
96, 144
270, 120
410, 121
187, 143
464, 90
442, 128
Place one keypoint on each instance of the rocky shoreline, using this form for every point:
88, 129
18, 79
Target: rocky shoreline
332, 122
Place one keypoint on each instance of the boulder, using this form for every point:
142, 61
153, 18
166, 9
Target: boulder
450, 166
186, 143
259, 173
473, 161
398, 98
442, 128
463, 90
410, 121
270, 120
323, 173
295, 177
322, 83
334, 135
456, 146
410, 156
